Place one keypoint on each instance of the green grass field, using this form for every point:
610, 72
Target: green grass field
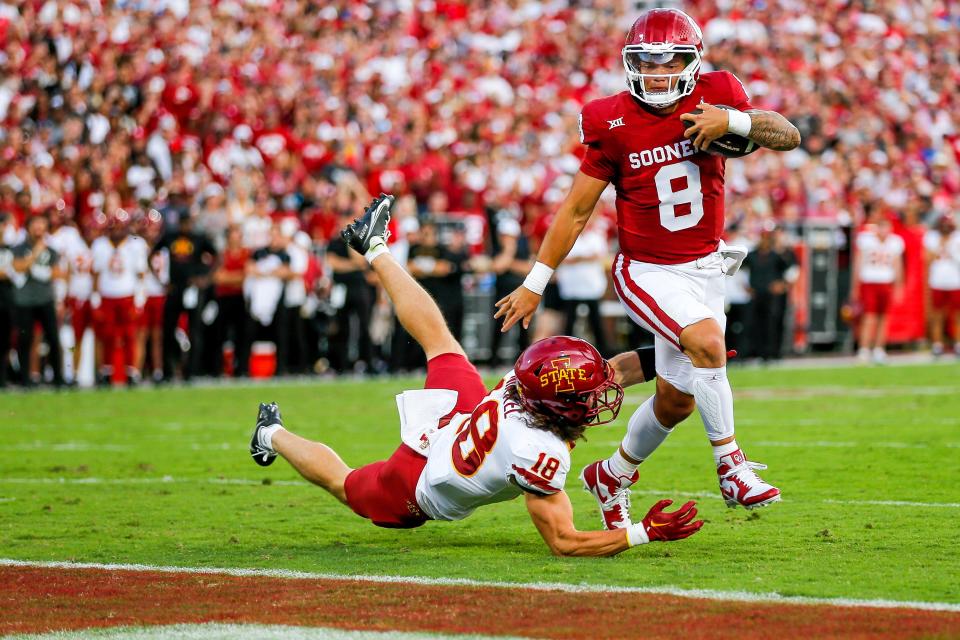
163, 477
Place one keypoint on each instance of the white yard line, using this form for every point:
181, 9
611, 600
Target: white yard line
213, 631
703, 594
300, 483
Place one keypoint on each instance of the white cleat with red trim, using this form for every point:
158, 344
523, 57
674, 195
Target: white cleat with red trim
740, 485
611, 491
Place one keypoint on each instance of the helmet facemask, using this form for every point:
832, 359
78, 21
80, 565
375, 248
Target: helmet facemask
678, 84
603, 404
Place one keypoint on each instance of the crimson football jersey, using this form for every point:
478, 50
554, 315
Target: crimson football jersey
669, 194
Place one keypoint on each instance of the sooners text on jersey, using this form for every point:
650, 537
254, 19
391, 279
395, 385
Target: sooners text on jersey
669, 195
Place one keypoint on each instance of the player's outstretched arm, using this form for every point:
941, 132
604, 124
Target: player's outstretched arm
771, 130
571, 217
634, 367
553, 517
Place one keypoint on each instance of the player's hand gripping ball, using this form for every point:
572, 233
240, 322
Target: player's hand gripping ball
702, 127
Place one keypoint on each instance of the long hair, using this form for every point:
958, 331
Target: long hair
563, 429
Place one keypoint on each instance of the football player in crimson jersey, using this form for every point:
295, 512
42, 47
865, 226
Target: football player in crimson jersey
669, 274
463, 447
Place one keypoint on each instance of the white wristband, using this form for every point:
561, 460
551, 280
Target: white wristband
538, 278
637, 534
739, 122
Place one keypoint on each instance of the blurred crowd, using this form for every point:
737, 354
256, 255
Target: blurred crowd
252, 130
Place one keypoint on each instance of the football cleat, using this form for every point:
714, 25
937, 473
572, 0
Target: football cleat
269, 415
612, 493
372, 224
740, 485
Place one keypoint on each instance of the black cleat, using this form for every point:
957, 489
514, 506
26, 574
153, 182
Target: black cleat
372, 224
269, 415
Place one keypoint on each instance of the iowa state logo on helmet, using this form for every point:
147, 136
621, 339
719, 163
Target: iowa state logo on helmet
562, 376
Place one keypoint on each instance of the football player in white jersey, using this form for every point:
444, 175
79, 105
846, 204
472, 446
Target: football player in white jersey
119, 266
877, 283
463, 447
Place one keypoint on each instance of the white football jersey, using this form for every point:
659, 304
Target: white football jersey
77, 259
490, 456
119, 268
945, 263
80, 280
878, 257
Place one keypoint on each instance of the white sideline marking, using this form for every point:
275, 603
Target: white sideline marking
214, 631
7, 499
701, 594
301, 483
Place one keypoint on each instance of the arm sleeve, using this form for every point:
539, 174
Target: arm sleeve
540, 469
738, 93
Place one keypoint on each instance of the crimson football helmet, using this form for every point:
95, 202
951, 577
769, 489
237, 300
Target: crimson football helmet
566, 378
657, 37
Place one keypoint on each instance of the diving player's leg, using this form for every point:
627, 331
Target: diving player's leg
415, 308
315, 461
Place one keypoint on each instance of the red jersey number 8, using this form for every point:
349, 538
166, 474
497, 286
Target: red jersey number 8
669, 198
476, 439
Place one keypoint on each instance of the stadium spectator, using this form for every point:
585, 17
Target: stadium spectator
266, 275
295, 295
455, 107
191, 257
772, 270
510, 263
943, 257
352, 297
582, 280
35, 265
877, 281
438, 270
156, 281
6, 307
232, 319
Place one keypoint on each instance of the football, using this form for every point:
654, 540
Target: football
730, 145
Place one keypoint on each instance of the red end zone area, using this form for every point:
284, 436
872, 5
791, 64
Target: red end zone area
41, 599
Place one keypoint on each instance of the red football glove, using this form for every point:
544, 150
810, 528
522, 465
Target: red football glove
662, 526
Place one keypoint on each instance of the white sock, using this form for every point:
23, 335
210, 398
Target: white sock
644, 434
377, 248
724, 450
711, 390
265, 437
619, 466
